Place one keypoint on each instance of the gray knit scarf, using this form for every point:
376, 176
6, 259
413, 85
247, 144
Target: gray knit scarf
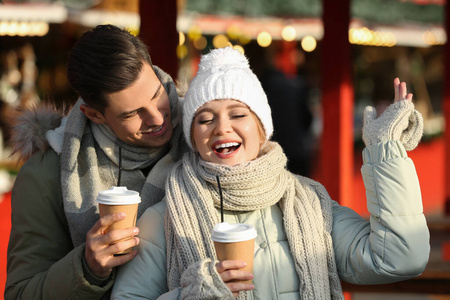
193, 199
89, 164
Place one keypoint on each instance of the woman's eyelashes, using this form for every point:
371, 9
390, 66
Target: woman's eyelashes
202, 119
207, 120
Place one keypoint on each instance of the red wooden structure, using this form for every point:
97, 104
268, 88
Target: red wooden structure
336, 157
446, 109
159, 31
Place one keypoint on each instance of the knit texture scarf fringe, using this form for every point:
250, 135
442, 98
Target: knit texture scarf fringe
90, 163
192, 202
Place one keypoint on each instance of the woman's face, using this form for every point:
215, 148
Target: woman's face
227, 132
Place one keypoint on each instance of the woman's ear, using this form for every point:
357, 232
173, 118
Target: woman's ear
92, 114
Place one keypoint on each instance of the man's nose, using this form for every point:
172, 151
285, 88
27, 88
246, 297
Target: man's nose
152, 116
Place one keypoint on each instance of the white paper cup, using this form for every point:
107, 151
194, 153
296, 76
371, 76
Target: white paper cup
235, 242
119, 199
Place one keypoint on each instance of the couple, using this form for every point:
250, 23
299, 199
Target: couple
306, 242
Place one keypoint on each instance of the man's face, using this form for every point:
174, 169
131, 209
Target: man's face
140, 114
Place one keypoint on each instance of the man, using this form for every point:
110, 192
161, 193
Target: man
57, 247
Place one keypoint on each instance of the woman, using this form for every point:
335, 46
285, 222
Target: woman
306, 242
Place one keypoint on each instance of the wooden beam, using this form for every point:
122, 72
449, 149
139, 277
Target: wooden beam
446, 110
159, 31
337, 102
438, 286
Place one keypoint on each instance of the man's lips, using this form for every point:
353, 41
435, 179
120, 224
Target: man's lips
156, 131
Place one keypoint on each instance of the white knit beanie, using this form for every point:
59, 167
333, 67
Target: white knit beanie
225, 74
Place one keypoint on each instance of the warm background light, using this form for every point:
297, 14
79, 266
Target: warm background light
288, 33
365, 36
239, 48
264, 39
181, 39
200, 43
23, 28
194, 32
234, 32
182, 51
220, 41
309, 43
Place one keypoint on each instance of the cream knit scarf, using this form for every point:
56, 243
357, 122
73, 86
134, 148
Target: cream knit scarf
193, 199
90, 159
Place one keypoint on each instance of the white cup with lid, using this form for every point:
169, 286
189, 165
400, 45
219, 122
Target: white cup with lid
235, 242
119, 199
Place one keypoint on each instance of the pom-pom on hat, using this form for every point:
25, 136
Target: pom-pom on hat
225, 74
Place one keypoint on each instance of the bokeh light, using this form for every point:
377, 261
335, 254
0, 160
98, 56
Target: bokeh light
288, 33
365, 36
309, 43
181, 38
200, 43
264, 39
182, 51
221, 41
234, 32
245, 38
239, 48
23, 29
194, 32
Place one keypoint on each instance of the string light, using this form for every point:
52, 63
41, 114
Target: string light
23, 28
365, 36
430, 38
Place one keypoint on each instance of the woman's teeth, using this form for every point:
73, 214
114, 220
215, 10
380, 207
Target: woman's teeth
226, 148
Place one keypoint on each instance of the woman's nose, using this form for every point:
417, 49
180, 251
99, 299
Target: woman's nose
223, 126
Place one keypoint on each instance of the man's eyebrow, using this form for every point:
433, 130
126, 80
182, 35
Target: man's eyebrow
125, 113
157, 91
132, 111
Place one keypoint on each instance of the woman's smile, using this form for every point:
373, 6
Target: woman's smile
226, 132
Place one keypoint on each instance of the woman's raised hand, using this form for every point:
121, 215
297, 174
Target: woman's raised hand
401, 91
399, 121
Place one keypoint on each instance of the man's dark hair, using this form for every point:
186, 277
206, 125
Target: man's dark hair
105, 60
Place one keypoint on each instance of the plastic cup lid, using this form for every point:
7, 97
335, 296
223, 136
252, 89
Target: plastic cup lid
118, 195
231, 233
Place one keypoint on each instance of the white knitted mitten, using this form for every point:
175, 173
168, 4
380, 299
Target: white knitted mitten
202, 281
400, 121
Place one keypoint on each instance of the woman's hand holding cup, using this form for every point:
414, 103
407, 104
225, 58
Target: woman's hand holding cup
235, 279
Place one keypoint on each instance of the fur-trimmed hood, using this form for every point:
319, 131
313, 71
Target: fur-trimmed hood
30, 127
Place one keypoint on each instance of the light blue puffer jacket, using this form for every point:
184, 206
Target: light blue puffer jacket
392, 246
